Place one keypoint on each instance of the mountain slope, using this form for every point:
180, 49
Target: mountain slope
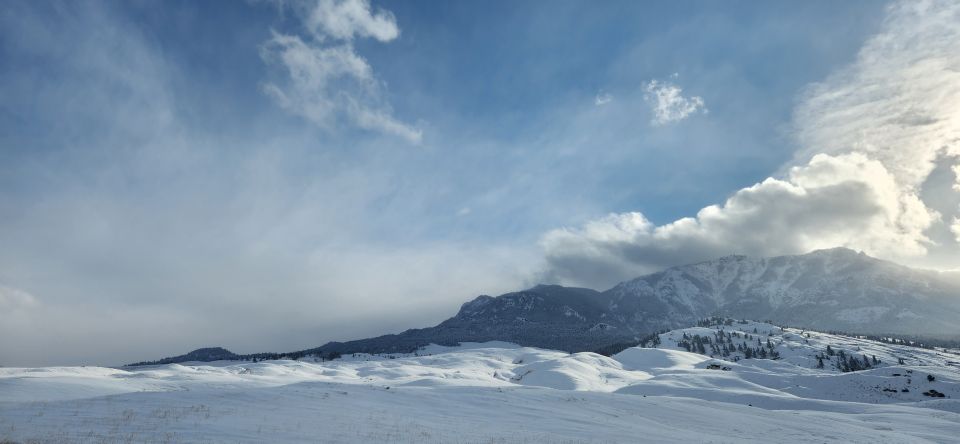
547, 316
836, 289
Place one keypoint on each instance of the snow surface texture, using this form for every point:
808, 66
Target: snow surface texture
499, 392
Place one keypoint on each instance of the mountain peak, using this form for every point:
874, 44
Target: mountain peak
474, 305
837, 251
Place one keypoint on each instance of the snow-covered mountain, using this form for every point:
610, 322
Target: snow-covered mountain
835, 289
829, 290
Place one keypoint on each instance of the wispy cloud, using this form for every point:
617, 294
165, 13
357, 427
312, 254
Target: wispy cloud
326, 81
347, 19
602, 98
668, 103
12, 299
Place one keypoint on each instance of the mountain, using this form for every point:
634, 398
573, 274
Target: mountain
835, 289
209, 354
830, 290
547, 316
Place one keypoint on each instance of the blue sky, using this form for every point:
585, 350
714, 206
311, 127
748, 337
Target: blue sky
327, 170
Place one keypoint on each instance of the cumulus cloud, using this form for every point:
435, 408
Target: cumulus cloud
869, 136
326, 81
848, 200
668, 104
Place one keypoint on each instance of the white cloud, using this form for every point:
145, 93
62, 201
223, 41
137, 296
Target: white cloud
955, 228
846, 200
956, 173
346, 19
327, 82
668, 103
870, 136
899, 102
602, 98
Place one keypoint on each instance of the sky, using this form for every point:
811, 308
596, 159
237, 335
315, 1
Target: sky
273, 175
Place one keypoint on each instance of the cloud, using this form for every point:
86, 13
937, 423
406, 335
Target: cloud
602, 98
128, 215
869, 135
898, 101
846, 200
347, 19
326, 81
668, 103
956, 173
12, 300
955, 228
129, 210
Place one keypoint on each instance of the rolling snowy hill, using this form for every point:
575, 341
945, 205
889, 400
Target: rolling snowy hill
500, 392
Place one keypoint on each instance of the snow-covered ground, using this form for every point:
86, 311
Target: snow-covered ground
499, 392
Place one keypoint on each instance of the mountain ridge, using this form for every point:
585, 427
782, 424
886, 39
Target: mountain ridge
835, 289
